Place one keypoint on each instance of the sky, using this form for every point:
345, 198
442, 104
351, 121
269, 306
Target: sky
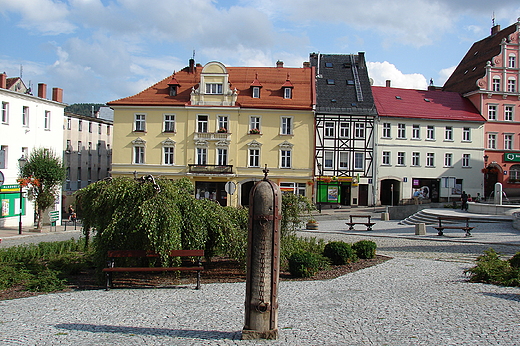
102, 50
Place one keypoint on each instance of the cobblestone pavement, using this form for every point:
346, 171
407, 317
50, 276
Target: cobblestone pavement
420, 297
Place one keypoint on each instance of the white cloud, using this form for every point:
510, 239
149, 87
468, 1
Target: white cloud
444, 74
380, 72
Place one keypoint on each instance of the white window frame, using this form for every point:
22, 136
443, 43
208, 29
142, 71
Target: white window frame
222, 156
387, 130
169, 123
385, 158
344, 130
329, 129
286, 125
400, 158
254, 157
430, 159
359, 161
201, 155
492, 112
448, 133
80, 125
47, 120
430, 132
285, 158
466, 134
448, 160
401, 131
4, 149
223, 122
255, 122
139, 122
511, 85
287, 93
466, 159
69, 123
359, 130
509, 114
297, 188
492, 141
416, 131
256, 92
511, 61
416, 159
202, 123
214, 88
508, 141
496, 83
328, 160
139, 152
343, 160
168, 155
5, 112
25, 116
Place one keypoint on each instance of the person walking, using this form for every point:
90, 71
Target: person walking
464, 199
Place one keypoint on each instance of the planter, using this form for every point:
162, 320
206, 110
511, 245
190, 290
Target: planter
311, 225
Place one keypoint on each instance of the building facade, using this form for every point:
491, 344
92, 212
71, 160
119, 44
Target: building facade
489, 76
344, 118
428, 142
220, 126
27, 122
87, 154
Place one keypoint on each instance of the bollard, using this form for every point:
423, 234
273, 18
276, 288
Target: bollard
263, 261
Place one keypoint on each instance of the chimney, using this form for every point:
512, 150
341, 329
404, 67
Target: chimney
388, 83
306, 64
495, 29
57, 95
3, 81
279, 64
191, 68
42, 90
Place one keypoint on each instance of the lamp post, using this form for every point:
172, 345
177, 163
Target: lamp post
485, 175
318, 186
21, 163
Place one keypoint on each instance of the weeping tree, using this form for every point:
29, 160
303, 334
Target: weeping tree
43, 174
158, 215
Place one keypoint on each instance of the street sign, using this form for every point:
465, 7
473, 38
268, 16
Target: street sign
230, 187
54, 215
2, 178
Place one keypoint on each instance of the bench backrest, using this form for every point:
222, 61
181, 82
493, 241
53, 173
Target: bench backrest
144, 253
454, 218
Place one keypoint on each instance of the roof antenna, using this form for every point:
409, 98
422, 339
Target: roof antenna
493, 19
21, 71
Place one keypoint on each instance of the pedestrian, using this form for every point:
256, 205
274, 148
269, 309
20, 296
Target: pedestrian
464, 199
72, 214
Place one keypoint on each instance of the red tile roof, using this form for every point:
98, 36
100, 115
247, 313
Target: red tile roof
270, 78
424, 104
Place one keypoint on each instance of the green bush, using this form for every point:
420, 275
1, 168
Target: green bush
47, 280
291, 244
365, 249
12, 275
515, 260
491, 269
305, 264
339, 252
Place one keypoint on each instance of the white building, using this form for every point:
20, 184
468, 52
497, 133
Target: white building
27, 122
428, 141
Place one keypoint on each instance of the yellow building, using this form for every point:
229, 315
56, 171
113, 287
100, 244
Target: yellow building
218, 125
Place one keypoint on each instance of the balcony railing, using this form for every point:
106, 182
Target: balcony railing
211, 169
212, 136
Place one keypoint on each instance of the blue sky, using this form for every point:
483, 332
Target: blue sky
102, 50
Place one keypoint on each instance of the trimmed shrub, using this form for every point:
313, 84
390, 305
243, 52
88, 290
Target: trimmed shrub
515, 260
305, 264
339, 252
365, 249
490, 269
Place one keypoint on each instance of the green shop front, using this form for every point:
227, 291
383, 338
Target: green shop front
333, 191
10, 198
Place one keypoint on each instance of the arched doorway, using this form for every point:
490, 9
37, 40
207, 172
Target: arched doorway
390, 192
245, 190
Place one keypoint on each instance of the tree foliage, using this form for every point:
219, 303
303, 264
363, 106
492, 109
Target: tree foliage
158, 215
83, 108
295, 210
43, 173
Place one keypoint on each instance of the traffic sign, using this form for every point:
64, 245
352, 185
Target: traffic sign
230, 187
54, 215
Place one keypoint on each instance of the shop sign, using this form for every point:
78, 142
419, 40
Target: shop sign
512, 157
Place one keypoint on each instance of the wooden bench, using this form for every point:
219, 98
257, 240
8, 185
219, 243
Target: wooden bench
367, 222
454, 219
113, 254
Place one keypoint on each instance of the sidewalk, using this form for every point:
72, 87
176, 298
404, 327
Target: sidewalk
30, 231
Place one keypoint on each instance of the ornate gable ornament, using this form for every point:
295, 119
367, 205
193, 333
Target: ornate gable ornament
139, 141
201, 143
168, 142
285, 145
222, 144
254, 144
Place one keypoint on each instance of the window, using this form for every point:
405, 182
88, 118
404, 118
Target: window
254, 123
3, 156
448, 160
496, 83
416, 131
401, 131
386, 158
69, 145
286, 128
169, 123
331, 81
202, 123
287, 93
108, 130
285, 158
466, 134
511, 85
430, 160
343, 160
344, 130
140, 121
254, 157
90, 126
222, 156
256, 92
138, 155
492, 112
69, 123
492, 141
359, 160
202, 156
514, 173
213, 88
80, 125
47, 120
168, 155
430, 132
448, 133
416, 159
328, 161
296, 188
508, 142
400, 158
328, 65
99, 129
5, 112
25, 116
79, 175
465, 160
511, 61
329, 129
387, 130
80, 147
359, 131
223, 123
508, 113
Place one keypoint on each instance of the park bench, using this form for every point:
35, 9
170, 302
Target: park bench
365, 222
192, 266
454, 219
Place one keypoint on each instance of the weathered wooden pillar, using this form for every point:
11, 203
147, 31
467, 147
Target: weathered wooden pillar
263, 261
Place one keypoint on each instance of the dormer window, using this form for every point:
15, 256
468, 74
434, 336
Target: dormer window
173, 86
214, 88
256, 92
255, 88
287, 93
173, 90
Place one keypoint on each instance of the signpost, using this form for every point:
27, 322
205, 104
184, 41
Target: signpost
54, 216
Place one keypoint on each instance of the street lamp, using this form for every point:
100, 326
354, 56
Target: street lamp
21, 163
318, 186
